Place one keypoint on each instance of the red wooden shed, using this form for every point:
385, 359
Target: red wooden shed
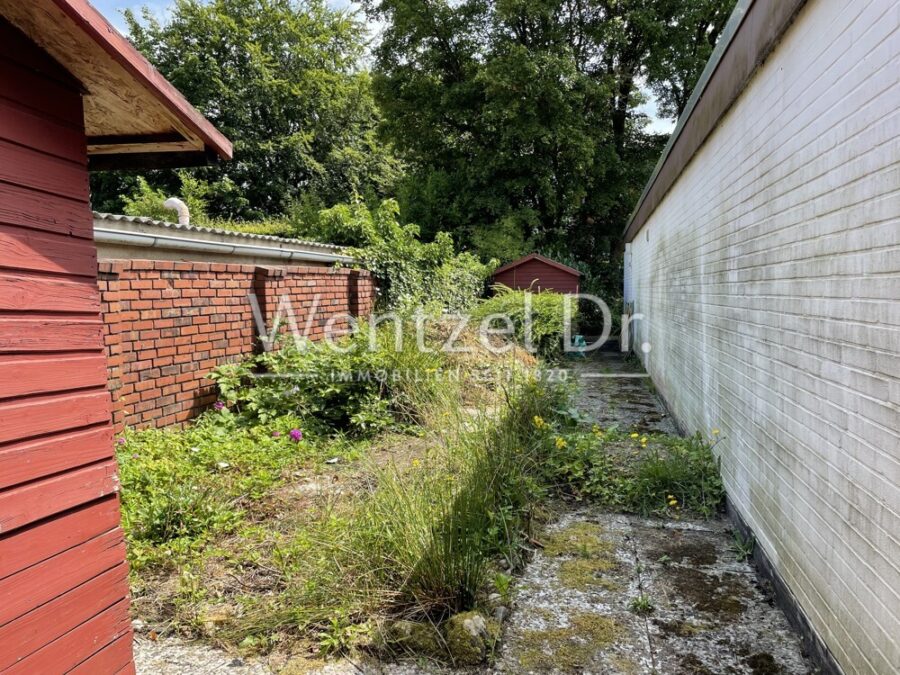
74, 94
538, 273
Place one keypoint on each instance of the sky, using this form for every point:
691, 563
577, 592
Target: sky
112, 10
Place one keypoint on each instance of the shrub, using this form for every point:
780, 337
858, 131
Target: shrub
147, 201
548, 318
410, 272
347, 388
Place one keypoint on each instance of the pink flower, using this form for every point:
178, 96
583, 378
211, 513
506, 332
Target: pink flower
296, 435
219, 405
276, 434
120, 441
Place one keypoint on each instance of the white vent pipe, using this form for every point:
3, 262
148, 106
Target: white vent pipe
175, 204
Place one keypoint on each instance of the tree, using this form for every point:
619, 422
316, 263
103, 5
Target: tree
518, 117
280, 78
689, 36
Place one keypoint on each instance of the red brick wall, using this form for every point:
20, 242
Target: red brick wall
168, 324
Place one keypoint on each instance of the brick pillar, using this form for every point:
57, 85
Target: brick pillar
111, 307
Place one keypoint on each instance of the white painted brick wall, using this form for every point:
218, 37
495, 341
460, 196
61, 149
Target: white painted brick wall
770, 278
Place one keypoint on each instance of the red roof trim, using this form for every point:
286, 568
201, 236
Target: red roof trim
102, 32
537, 256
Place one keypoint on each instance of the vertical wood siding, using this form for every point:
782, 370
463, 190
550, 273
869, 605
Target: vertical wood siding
769, 277
63, 588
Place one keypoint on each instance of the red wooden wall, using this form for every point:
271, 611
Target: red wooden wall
63, 587
545, 277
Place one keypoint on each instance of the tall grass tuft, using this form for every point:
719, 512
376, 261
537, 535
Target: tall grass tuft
431, 529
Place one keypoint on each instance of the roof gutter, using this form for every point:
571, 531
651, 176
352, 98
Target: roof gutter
108, 236
752, 31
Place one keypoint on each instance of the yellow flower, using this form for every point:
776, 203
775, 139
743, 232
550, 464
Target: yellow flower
561, 443
670, 497
644, 440
715, 432
416, 463
597, 430
539, 422
635, 435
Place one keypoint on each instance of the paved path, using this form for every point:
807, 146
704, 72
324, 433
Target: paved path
576, 606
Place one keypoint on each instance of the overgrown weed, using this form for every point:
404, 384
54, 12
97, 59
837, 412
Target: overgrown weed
649, 474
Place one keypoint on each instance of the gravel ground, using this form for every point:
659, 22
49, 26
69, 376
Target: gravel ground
171, 656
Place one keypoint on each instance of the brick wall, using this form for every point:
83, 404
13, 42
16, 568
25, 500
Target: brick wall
168, 324
770, 277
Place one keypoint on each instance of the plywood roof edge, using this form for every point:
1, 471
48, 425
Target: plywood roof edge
92, 23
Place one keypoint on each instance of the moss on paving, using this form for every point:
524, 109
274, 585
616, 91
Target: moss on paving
570, 649
581, 539
588, 556
582, 574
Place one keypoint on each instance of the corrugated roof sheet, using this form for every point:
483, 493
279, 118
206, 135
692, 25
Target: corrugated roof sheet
176, 228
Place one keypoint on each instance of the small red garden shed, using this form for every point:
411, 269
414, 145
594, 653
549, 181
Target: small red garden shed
74, 95
538, 273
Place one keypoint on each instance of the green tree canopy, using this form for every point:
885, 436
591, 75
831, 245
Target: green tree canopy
518, 117
281, 78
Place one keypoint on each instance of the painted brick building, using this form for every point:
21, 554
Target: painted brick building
764, 257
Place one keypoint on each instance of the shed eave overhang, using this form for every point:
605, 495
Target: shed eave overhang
133, 117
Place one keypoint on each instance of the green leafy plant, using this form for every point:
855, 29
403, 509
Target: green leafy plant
743, 546
547, 325
340, 636
410, 272
503, 584
642, 604
655, 474
352, 387
148, 201
182, 487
